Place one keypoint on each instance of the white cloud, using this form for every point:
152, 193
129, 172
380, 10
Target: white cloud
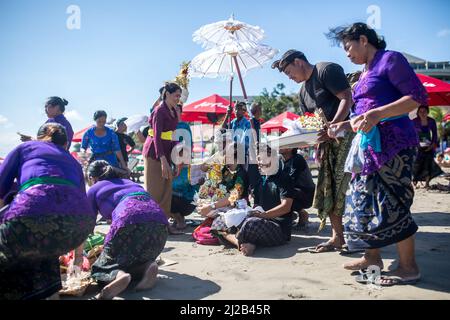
8, 140
73, 115
3, 120
443, 33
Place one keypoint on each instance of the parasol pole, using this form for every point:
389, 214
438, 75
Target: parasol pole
255, 140
240, 77
231, 98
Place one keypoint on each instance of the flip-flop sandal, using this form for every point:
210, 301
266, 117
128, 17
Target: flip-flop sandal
325, 246
369, 275
363, 278
395, 281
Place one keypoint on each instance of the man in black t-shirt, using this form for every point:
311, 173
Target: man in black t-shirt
124, 139
325, 86
274, 193
296, 167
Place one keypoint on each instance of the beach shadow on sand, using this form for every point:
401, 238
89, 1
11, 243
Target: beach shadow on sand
169, 286
432, 219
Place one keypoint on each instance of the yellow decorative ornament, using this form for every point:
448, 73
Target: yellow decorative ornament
182, 79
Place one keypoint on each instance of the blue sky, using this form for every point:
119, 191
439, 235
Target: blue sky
125, 50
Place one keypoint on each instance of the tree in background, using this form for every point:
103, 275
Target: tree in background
438, 115
277, 102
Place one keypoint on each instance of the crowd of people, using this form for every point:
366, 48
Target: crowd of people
46, 211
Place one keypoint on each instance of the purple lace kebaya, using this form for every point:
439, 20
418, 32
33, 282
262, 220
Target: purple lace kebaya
388, 79
109, 197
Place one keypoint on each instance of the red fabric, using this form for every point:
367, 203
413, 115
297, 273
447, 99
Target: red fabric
202, 234
438, 91
277, 122
197, 111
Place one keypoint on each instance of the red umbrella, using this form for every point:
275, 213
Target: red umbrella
438, 91
78, 136
277, 122
206, 110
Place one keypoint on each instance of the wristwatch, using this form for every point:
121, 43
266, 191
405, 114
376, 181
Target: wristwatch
213, 206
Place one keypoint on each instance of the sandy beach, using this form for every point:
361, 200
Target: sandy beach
289, 272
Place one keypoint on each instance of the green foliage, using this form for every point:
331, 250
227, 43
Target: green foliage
277, 102
438, 115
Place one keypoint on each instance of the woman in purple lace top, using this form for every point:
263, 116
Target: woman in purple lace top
381, 194
54, 109
47, 218
137, 235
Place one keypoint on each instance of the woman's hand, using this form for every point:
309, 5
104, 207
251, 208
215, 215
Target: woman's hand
2, 203
165, 168
366, 121
205, 210
25, 138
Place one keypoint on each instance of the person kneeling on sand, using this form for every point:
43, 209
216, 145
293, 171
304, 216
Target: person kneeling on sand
272, 227
137, 235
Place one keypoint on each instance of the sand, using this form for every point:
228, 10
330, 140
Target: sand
288, 272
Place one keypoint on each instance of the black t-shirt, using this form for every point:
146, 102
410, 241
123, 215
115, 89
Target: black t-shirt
269, 193
327, 80
299, 172
304, 188
125, 139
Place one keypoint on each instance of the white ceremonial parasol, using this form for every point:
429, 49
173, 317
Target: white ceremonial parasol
217, 33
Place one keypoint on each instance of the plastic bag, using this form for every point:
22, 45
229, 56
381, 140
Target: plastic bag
355, 158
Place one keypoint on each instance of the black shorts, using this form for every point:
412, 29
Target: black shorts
182, 206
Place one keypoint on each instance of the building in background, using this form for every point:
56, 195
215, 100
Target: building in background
439, 70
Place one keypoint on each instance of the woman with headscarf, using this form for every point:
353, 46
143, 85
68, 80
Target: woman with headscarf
137, 235
47, 218
381, 194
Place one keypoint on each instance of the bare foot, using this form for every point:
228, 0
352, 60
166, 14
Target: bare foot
149, 278
114, 288
363, 263
247, 249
